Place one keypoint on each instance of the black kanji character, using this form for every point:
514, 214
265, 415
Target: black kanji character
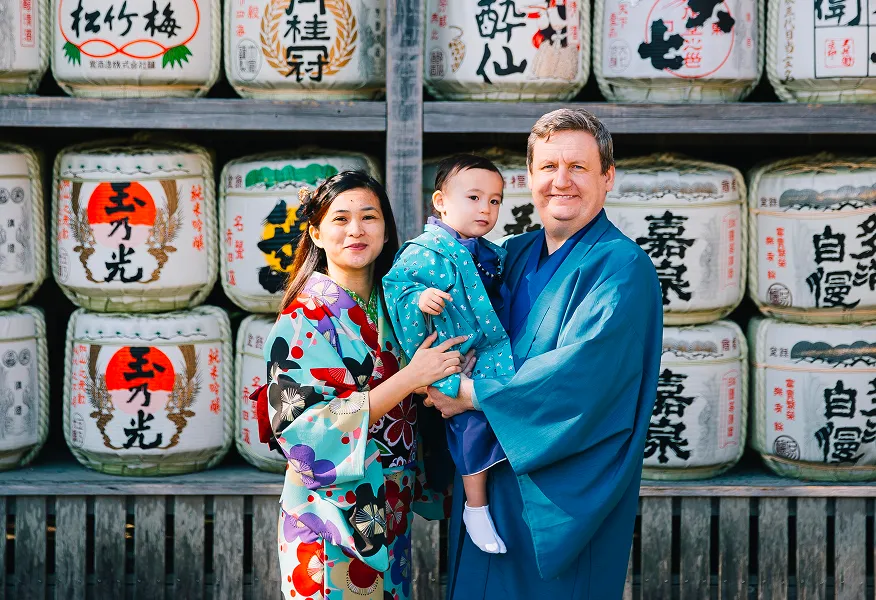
839, 401
664, 236
167, 26
665, 435
669, 395
117, 266
136, 433
671, 279
129, 17
656, 49
829, 246
77, 18
868, 244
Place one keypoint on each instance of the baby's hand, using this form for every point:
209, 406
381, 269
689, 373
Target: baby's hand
432, 300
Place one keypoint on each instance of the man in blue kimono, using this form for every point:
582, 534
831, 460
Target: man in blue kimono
585, 318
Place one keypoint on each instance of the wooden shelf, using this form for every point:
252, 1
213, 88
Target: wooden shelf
232, 114
65, 477
744, 117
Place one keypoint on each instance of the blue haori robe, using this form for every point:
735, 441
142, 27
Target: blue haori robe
436, 259
572, 421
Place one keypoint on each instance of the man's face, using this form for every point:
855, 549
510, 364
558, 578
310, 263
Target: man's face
567, 183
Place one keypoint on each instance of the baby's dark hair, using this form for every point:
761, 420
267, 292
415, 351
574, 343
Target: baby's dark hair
452, 165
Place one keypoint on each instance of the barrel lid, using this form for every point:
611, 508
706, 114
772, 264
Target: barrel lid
276, 172
18, 324
799, 346
716, 341
200, 324
117, 160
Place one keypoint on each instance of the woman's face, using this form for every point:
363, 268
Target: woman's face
353, 231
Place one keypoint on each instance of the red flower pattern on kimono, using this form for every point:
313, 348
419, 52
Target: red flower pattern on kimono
398, 505
308, 576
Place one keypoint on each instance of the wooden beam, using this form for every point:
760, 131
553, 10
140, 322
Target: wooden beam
71, 531
30, 547
110, 518
738, 117
149, 543
404, 114
188, 547
226, 114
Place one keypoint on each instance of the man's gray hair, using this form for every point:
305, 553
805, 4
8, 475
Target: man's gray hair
572, 119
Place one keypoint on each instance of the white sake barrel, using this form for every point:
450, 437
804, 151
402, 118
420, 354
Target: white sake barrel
506, 51
663, 51
24, 45
517, 214
698, 424
135, 226
821, 52
812, 254
249, 374
109, 49
828, 372
299, 50
22, 230
689, 217
258, 203
149, 394
24, 386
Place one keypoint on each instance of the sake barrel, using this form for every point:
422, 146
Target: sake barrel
812, 254
666, 51
698, 425
689, 217
111, 49
288, 50
22, 233
829, 373
249, 374
24, 45
507, 51
820, 52
24, 387
149, 394
135, 226
517, 213
258, 204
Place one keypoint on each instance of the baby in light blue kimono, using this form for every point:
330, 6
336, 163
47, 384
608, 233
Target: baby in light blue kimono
449, 279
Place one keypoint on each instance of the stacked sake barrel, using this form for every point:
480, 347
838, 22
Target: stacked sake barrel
517, 213
813, 270
24, 45
821, 53
260, 221
106, 49
506, 52
331, 49
689, 217
24, 372
663, 51
147, 375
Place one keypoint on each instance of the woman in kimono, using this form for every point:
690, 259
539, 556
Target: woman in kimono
340, 405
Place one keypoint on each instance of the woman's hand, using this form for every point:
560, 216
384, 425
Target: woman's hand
429, 364
431, 301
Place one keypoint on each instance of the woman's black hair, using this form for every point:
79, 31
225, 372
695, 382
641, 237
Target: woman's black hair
309, 258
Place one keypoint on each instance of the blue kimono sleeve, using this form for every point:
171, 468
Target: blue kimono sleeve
573, 420
402, 287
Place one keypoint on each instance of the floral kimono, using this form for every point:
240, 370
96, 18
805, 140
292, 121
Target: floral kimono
344, 528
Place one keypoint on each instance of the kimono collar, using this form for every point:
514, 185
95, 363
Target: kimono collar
481, 252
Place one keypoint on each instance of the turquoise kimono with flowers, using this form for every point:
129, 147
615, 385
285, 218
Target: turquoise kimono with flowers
572, 421
435, 259
324, 355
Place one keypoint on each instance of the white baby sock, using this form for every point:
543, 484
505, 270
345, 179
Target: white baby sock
481, 530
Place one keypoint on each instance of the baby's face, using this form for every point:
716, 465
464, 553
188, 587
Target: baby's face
470, 201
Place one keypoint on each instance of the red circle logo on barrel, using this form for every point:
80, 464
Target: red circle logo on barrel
139, 378
121, 212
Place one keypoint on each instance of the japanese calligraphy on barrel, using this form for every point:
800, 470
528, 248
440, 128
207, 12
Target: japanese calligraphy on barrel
24, 44
689, 217
148, 394
249, 375
829, 373
122, 49
24, 386
822, 51
812, 255
22, 234
677, 51
698, 425
507, 50
260, 225
517, 213
306, 49
134, 226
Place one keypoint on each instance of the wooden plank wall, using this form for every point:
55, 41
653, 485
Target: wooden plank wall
194, 547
